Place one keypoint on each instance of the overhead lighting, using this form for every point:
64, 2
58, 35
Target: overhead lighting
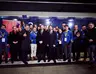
15, 19
70, 24
70, 20
48, 22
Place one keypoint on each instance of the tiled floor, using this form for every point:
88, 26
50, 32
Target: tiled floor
56, 69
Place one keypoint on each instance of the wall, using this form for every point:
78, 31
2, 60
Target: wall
47, 14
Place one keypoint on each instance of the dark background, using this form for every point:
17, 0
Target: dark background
58, 6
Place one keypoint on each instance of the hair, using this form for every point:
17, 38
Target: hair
66, 26
4, 25
83, 25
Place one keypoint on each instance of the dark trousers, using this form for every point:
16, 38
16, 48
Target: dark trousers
67, 51
3, 50
40, 52
24, 57
78, 55
74, 51
52, 53
59, 51
92, 52
14, 50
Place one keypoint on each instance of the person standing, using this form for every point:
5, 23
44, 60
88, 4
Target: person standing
75, 30
33, 35
40, 44
13, 40
91, 35
67, 39
78, 46
59, 46
52, 38
3, 43
25, 46
84, 41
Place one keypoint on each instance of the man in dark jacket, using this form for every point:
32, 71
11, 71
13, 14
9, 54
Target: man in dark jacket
92, 41
40, 44
13, 41
84, 41
46, 47
75, 30
52, 44
25, 47
59, 45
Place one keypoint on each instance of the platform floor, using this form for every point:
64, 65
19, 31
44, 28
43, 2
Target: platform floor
53, 69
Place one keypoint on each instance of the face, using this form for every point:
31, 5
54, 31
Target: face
38, 28
54, 29
50, 28
31, 26
91, 25
42, 27
66, 28
14, 29
46, 27
35, 26
34, 29
63, 24
27, 28
83, 27
76, 27
57, 27
60, 31
3, 27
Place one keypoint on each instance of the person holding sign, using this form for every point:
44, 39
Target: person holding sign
3, 43
67, 39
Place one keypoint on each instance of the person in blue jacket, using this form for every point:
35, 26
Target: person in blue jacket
3, 43
33, 35
67, 39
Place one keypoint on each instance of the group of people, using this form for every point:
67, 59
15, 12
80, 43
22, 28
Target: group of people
47, 42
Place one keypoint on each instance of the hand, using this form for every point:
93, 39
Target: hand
40, 42
8, 45
71, 41
54, 45
60, 42
15, 42
90, 40
24, 34
47, 45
